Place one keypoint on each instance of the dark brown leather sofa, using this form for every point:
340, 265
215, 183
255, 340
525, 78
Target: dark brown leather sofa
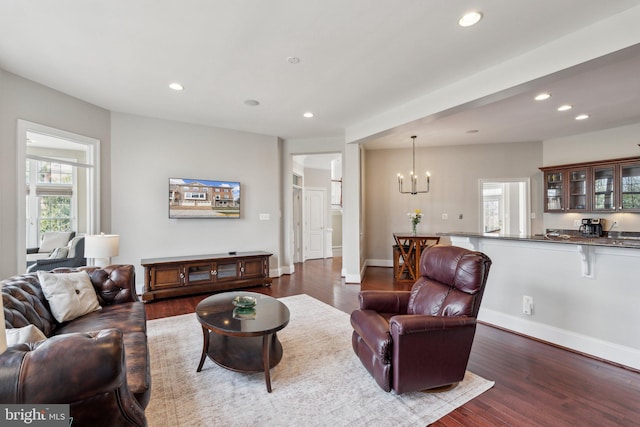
97, 363
421, 339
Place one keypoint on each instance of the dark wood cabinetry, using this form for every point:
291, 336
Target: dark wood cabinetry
617, 187
629, 186
567, 190
602, 186
176, 276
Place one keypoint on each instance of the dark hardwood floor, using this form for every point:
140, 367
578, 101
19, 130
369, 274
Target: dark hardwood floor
536, 384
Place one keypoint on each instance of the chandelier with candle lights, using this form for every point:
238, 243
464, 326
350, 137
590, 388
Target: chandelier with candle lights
413, 177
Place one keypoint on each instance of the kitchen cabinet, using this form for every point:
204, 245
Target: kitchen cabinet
616, 187
567, 190
604, 185
629, 186
177, 276
600, 186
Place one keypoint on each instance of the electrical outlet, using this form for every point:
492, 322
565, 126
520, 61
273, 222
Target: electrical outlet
527, 305
445, 216
576, 223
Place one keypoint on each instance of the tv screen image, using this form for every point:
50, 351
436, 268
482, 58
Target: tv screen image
202, 198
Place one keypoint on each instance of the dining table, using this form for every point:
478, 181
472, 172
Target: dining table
407, 255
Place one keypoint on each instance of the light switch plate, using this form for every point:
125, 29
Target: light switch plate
527, 305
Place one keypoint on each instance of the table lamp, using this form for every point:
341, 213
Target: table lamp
101, 247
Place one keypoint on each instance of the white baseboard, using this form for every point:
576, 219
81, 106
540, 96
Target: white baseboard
352, 278
277, 272
380, 262
616, 353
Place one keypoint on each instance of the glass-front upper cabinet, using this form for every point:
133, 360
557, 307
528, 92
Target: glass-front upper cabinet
630, 187
554, 191
567, 190
578, 189
604, 188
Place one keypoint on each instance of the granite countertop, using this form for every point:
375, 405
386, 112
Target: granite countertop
621, 239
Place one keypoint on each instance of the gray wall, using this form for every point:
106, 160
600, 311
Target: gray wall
607, 144
147, 152
24, 99
455, 172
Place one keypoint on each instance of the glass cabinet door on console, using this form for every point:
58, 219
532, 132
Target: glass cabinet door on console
227, 270
199, 273
554, 189
630, 187
604, 188
578, 189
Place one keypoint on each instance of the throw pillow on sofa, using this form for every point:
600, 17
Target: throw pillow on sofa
58, 253
26, 335
70, 295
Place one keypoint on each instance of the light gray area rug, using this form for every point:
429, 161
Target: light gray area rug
319, 382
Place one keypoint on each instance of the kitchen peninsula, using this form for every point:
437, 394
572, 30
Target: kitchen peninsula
585, 290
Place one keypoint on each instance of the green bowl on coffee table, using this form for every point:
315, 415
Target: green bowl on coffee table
244, 301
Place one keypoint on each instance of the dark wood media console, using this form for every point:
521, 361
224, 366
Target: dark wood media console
186, 275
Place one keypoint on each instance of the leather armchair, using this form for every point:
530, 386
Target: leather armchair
421, 339
75, 258
50, 241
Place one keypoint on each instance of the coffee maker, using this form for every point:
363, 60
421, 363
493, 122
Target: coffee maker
592, 227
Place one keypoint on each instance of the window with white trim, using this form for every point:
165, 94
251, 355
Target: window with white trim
51, 196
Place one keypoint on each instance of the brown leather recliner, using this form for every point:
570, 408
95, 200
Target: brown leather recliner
421, 339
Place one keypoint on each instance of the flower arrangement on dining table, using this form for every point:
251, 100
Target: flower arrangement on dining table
416, 217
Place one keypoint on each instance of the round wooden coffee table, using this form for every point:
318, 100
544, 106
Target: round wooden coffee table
242, 340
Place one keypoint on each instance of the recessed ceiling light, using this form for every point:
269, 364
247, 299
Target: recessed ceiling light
176, 86
308, 114
293, 60
565, 107
582, 117
251, 102
469, 19
542, 96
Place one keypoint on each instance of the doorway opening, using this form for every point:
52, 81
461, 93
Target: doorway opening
317, 206
58, 184
504, 206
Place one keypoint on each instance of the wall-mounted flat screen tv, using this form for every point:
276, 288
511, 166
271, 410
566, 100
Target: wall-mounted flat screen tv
202, 198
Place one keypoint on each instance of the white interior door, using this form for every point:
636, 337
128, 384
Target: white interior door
314, 223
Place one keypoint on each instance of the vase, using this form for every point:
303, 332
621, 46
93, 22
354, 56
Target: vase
414, 229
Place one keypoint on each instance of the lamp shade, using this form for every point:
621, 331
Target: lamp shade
101, 247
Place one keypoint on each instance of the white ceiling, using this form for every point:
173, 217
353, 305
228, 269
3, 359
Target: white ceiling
358, 59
